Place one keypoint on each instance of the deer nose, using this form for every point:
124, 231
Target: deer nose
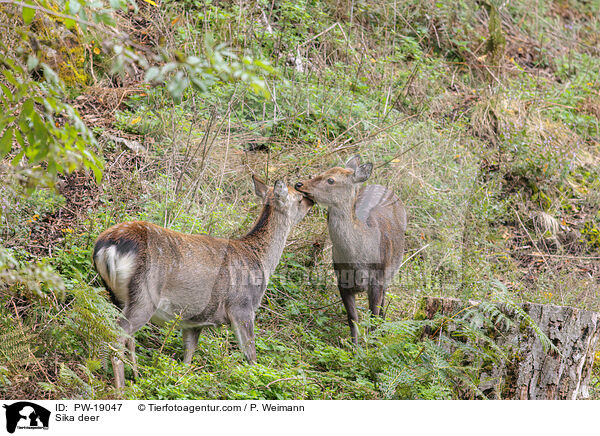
298, 185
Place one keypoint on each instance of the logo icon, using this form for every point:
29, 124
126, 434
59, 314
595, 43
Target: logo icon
26, 415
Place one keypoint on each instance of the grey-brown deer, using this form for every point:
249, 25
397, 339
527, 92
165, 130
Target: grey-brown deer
160, 274
366, 227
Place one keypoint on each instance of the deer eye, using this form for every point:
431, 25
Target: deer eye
330, 181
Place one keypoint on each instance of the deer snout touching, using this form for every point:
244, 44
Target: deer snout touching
156, 273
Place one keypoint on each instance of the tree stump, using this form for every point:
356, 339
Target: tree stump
530, 372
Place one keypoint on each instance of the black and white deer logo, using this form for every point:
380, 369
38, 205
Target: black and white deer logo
24, 414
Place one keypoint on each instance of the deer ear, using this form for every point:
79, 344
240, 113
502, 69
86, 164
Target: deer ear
280, 190
353, 162
260, 188
362, 173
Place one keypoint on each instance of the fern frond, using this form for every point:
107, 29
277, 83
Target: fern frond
503, 296
17, 346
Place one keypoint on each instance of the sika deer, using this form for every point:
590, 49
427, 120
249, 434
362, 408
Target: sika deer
366, 227
157, 273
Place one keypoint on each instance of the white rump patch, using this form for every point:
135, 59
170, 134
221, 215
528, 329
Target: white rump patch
121, 268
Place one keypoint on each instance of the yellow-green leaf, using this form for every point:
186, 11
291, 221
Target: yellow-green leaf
17, 159
6, 142
70, 23
28, 14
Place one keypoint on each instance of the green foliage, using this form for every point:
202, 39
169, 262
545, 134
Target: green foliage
42, 127
591, 235
287, 89
409, 368
221, 373
38, 127
445, 358
502, 295
17, 346
31, 111
73, 260
76, 385
79, 331
219, 65
36, 279
90, 326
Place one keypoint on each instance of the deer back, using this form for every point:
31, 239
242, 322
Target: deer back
194, 276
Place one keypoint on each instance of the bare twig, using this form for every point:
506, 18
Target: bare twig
400, 154
320, 33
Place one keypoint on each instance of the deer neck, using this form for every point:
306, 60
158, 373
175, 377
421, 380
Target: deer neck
345, 229
268, 236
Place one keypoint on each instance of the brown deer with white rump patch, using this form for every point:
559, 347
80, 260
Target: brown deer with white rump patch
366, 227
157, 273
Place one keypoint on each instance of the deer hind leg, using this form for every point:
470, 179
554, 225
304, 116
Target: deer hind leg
350, 304
243, 326
376, 299
117, 363
190, 342
134, 317
130, 342
376, 294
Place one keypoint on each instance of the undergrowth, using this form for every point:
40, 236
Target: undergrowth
494, 152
